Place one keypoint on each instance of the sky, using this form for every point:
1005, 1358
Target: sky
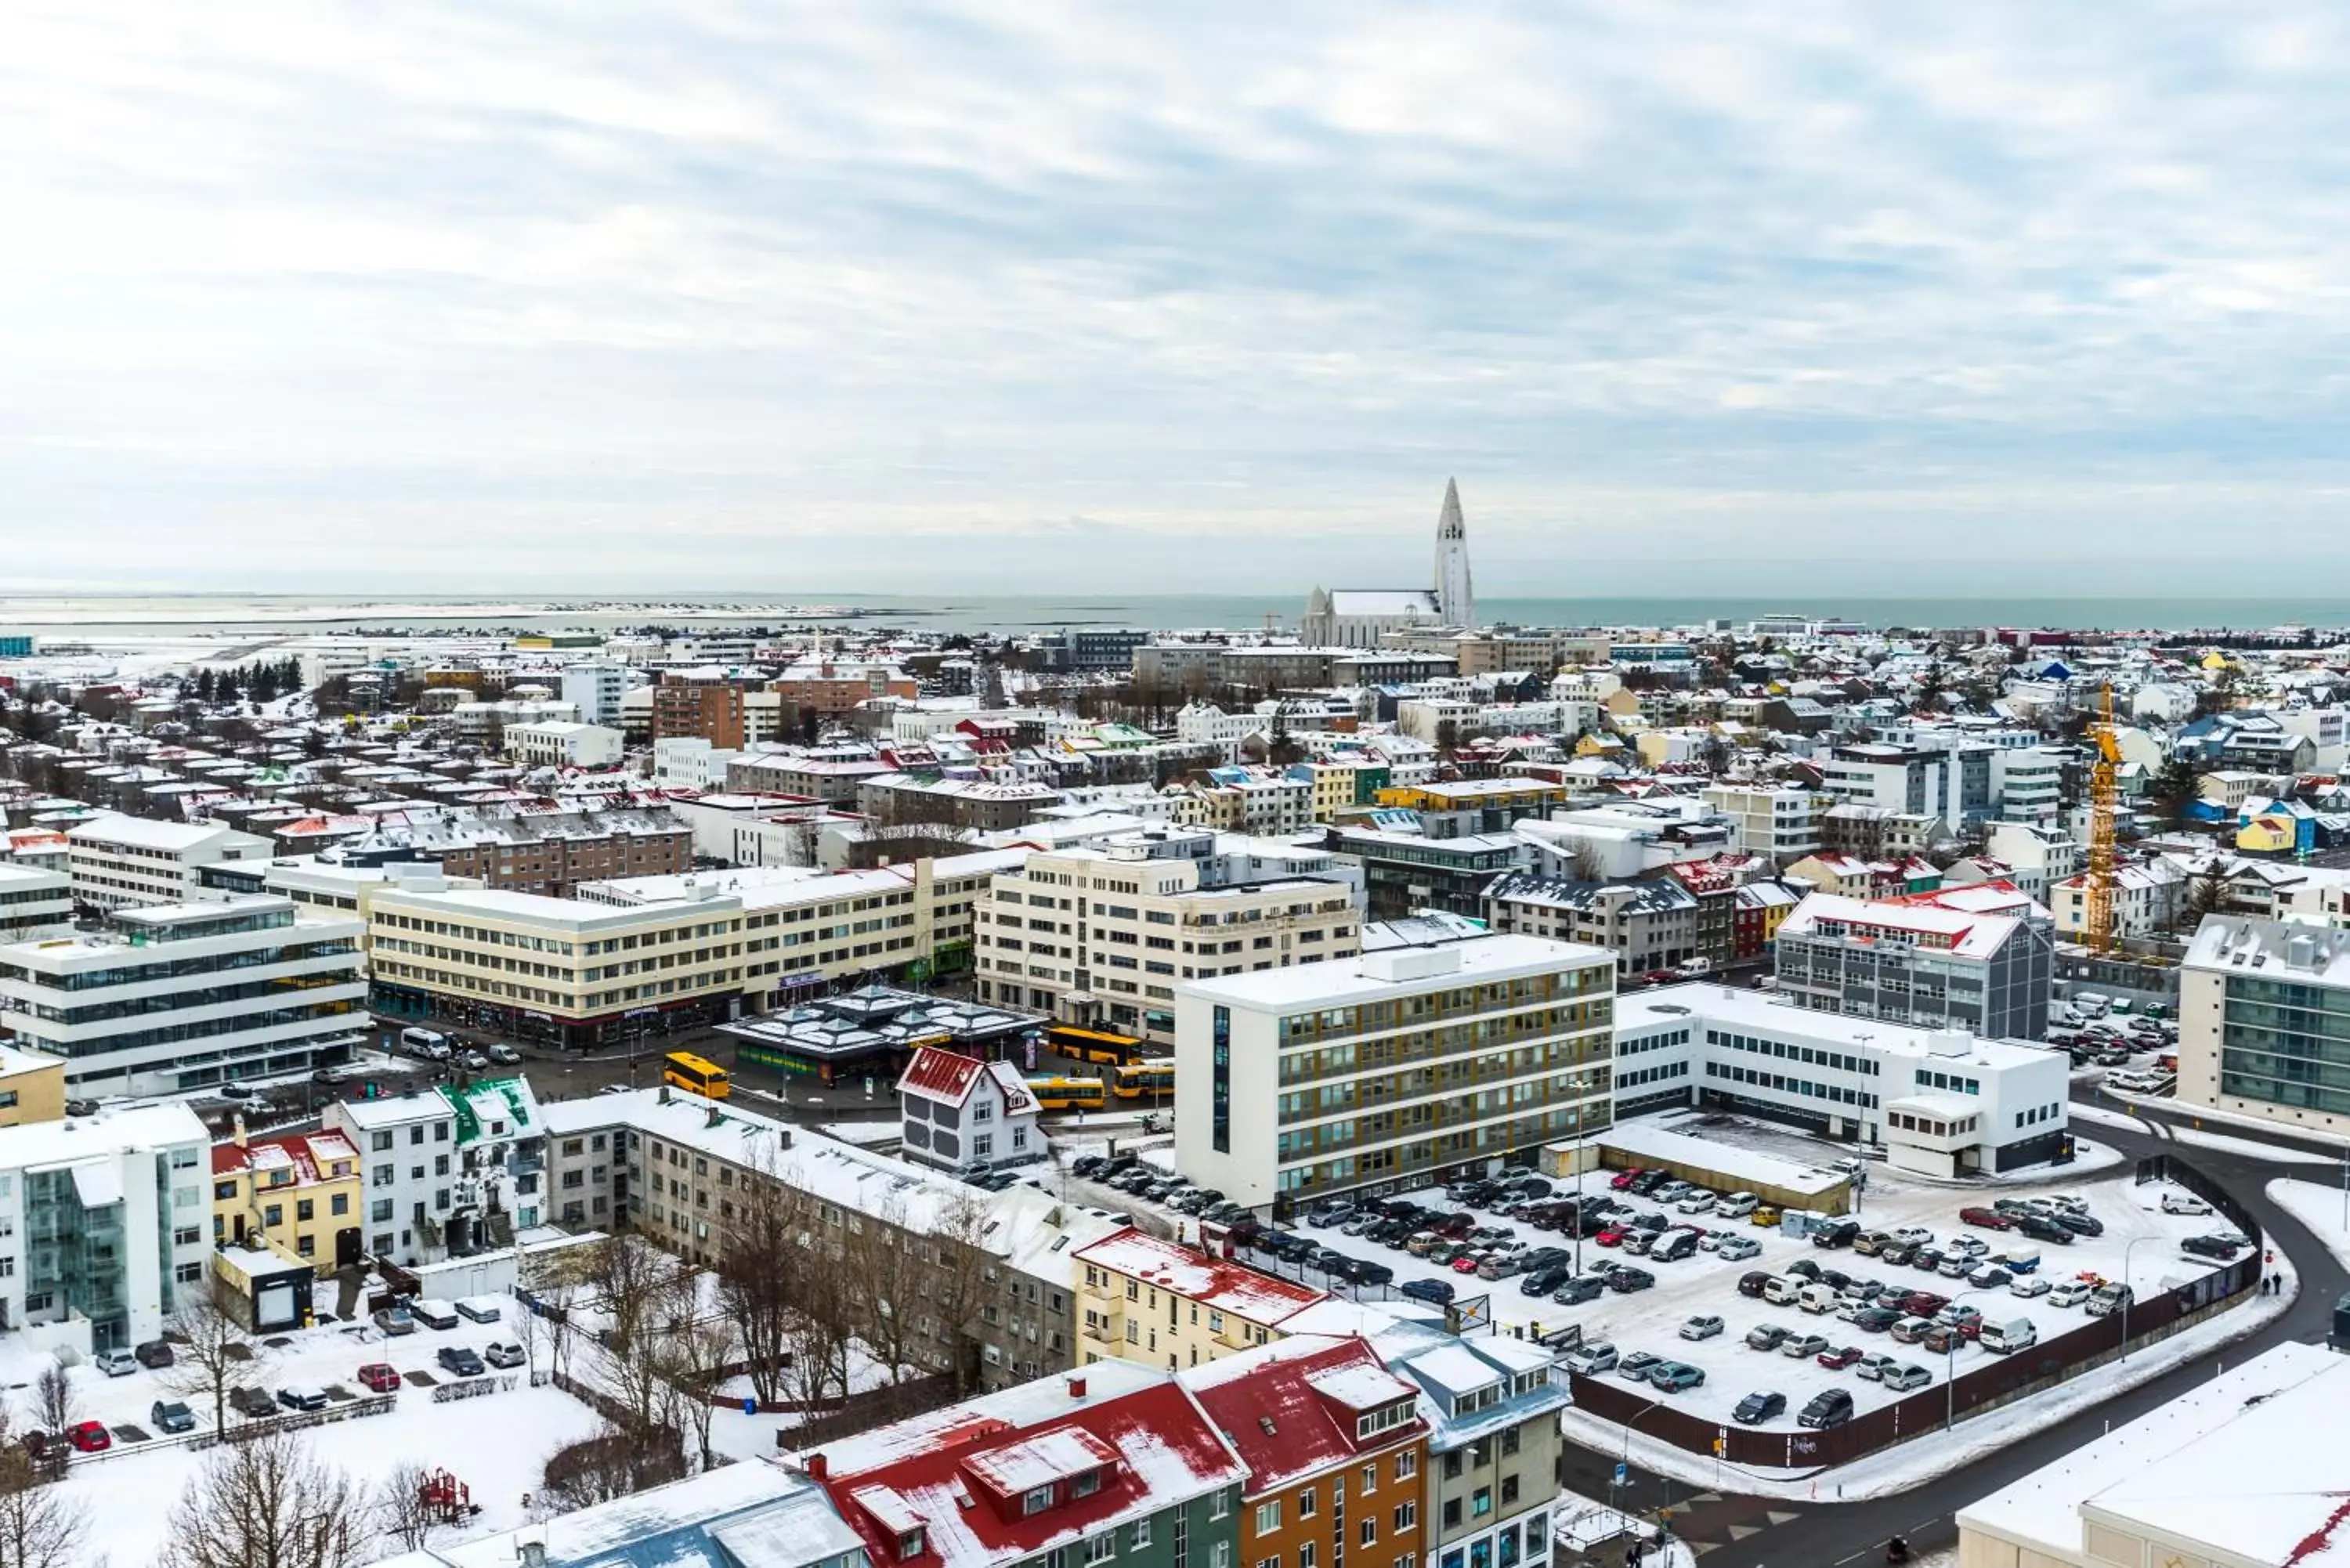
502, 296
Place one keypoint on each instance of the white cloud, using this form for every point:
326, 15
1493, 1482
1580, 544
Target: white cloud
1077, 291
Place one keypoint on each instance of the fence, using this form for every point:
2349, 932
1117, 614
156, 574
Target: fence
863, 1412
1996, 1383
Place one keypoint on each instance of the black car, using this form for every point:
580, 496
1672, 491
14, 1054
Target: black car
1437, 1291
2209, 1247
460, 1361
1876, 1320
1582, 1288
1088, 1164
1751, 1283
1894, 1252
1248, 1233
1364, 1271
1329, 1260
1543, 1282
2041, 1229
1625, 1281
1806, 1268
1647, 1181
1652, 1223
255, 1402
2080, 1224
1764, 1406
1828, 1408
1927, 1258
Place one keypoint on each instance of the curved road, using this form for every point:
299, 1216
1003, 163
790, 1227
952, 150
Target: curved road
1730, 1530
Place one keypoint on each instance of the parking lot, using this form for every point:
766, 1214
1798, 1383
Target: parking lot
2136, 1242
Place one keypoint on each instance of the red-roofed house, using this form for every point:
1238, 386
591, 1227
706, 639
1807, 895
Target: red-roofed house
1335, 1446
1156, 1302
958, 1111
302, 1191
1109, 1465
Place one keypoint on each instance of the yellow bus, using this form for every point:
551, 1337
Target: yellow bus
1136, 1079
1096, 1046
1067, 1094
696, 1074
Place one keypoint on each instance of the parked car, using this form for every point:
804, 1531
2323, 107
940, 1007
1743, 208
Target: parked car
1873, 1367
1579, 1290
2109, 1298
1828, 1408
171, 1417
1636, 1367
2041, 1229
1837, 1359
1802, 1347
1989, 1278
2216, 1247
1763, 1405
1767, 1336
115, 1363
380, 1377
89, 1436
1439, 1292
2070, 1293
302, 1396
1876, 1319
1910, 1330
1901, 1379
1738, 1249
395, 1319
1592, 1359
1625, 1281
460, 1360
2078, 1223
2184, 1203
1988, 1219
2028, 1286
1765, 1215
502, 1353
504, 1056
253, 1402
1703, 1326
1751, 1283
155, 1352
1675, 1376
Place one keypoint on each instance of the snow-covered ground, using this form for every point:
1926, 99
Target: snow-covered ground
1914, 1463
2318, 1206
2251, 1147
496, 1444
2138, 1234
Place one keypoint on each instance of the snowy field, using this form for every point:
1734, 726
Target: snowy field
496, 1444
2318, 1206
2137, 1236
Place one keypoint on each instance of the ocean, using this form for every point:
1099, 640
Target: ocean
106, 618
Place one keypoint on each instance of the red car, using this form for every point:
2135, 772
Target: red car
1989, 1218
1837, 1360
1611, 1237
380, 1377
91, 1438
1624, 1178
1466, 1263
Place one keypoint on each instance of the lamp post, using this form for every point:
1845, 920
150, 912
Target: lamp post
1666, 1481
2129, 1292
1950, 1355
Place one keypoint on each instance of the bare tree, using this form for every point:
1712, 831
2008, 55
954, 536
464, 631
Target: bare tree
267, 1502
612, 1464
55, 1408
883, 1275
210, 1355
693, 1362
761, 1252
961, 1277
403, 1515
40, 1526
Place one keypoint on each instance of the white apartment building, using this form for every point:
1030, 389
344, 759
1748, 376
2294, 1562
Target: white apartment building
1943, 1102
105, 1221
2029, 780
1400, 1067
561, 744
1246, 800
1774, 820
32, 900
186, 996
596, 689
689, 762
1103, 938
123, 860
2264, 1021
448, 1170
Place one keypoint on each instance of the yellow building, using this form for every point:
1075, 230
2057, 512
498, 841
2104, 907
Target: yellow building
1141, 1299
32, 1087
300, 1191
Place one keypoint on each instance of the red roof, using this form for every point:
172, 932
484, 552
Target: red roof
306, 1154
1289, 1409
940, 1075
961, 1475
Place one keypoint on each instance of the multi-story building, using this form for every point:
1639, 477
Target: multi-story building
32, 1087
451, 1170
303, 1192
1953, 783
1336, 1453
1113, 1463
1876, 833
104, 1225
1779, 821
831, 774
596, 689
171, 998
561, 744
2264, 1021
1981, 958
833, 689
2030, 782
559, 970
699, 704
1465, 808
125, 860
545, 852
1099, 937
1494, 1450
1649, 926
1732, 1048
1406, 872
1149, 1300
957, 1112
32, 900
1262, 800
1392, 1070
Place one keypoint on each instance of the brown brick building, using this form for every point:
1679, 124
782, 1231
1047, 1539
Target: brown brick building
707, 706
553, 852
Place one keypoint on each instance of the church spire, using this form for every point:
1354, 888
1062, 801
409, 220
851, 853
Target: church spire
1455, 601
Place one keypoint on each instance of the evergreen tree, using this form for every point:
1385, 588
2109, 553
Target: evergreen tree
204, 684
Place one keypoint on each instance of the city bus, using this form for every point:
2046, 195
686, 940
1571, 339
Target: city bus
695, 1073
1067, 1094
1096, 1046
1155, 1078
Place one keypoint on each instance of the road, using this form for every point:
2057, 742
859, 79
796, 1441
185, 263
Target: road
1766, 1533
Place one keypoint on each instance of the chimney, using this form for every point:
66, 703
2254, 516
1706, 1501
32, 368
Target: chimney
816, 1467
237, 1122
1076, 1387
714, 1117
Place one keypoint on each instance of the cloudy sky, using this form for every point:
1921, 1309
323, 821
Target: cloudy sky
495, 297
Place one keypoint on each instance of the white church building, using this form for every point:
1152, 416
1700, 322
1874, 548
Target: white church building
1357, 617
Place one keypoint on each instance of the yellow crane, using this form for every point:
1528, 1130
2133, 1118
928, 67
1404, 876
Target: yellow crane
2104, 808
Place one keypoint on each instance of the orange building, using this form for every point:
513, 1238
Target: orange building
698, 708
833, 689
1335, 1450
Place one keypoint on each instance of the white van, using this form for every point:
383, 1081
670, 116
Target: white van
2091, 1003
425, 1042
1820, 1299
1779, 1291
2008, 1337
1738, 1205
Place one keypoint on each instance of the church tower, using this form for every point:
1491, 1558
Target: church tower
1455, 600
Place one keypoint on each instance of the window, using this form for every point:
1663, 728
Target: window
1306, 1504
1370, 1532
1452, 1513
1219, 1504
1037, 1501
1101, 1548
1407, 1465
1268, 1517
1481, 1503
1406, 1518
305, 1211
910, 1543
1509, 1489
340, 1203
1140, 1535
1086, 1485
1305, 1555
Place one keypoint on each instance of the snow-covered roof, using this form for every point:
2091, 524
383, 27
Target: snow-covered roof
1955, 931
740, 1516
1222, 1286
1289, 1408
1643, 1141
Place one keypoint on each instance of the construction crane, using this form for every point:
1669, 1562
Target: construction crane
2105, 807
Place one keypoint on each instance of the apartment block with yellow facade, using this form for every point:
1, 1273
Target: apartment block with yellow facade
1141, 1298
1336, 1451
1103, 938
32, 1087
300, 1190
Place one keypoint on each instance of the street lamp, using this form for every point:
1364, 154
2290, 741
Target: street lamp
1949, 1354
1666, 1480
2129, 1292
